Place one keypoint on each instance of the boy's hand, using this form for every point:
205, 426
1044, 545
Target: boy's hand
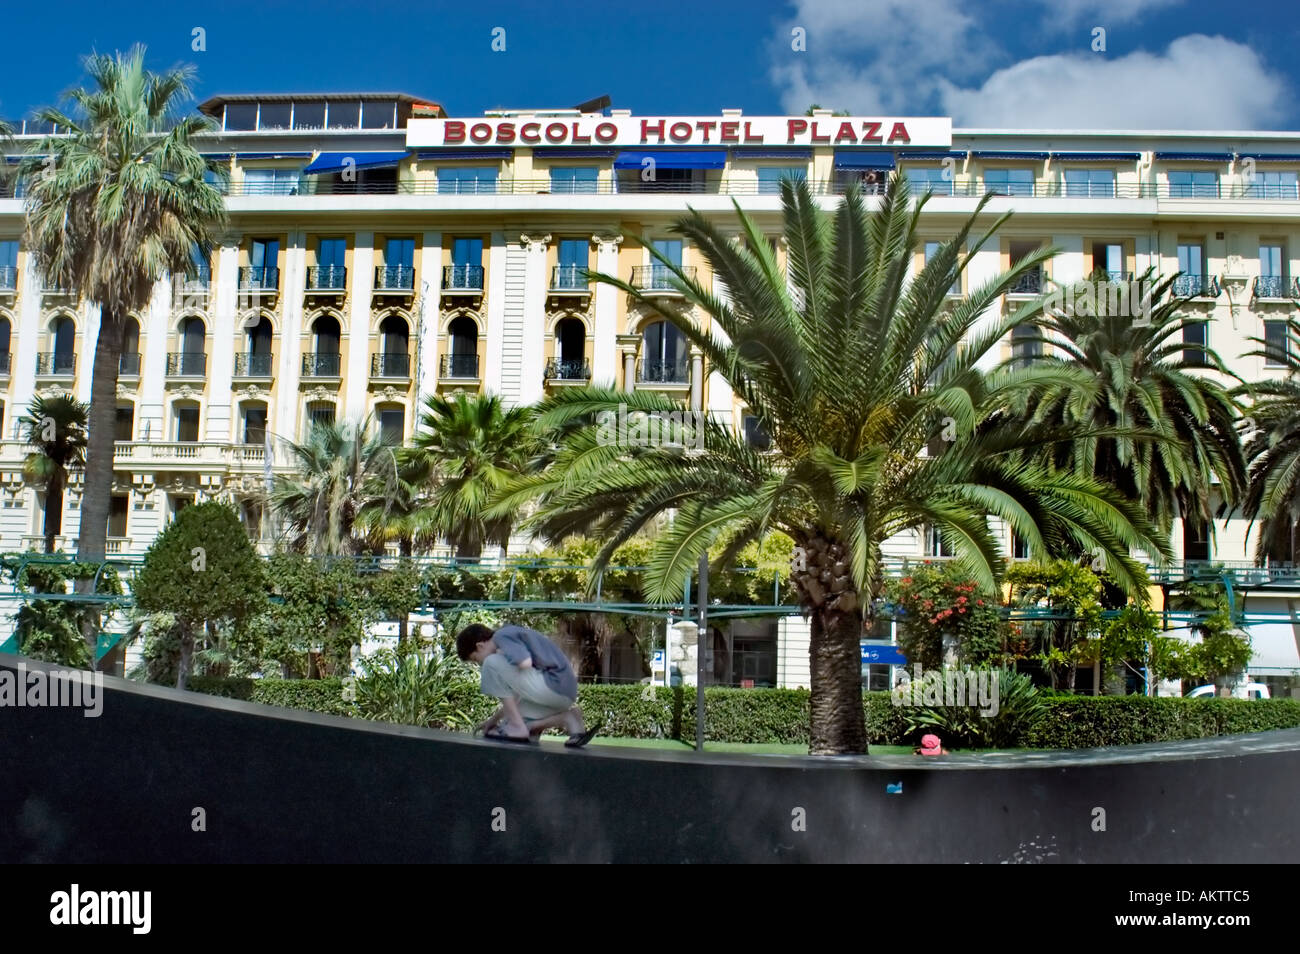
527, 663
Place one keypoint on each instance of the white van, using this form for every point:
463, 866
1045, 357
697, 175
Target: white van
1251, 690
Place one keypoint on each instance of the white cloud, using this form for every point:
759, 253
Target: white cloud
1200, 82
1101, 13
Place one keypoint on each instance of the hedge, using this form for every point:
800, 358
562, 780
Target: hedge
781, 715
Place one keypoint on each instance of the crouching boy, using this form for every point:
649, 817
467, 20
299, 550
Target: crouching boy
532, 679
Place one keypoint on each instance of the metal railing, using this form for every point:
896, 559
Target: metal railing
187, 364
458, 366
199, 282
570, 278
462, 278
1030, 283
1274, 286
560, 370
657, 277
56, 362
5, 361
663, 372
128, 364
394, 278
327, 278
1196, 286
322, 364
259, 278
250, 365
8, 277
390, 364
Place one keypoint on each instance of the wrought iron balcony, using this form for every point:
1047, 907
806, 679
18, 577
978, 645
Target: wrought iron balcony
199, 282
570, 278
1274, 286
253, 365
664, 372
187, 364
322, 364
52, 286
657, 278
8, 278
56, 362
458, 366
394, 278
560, 370
327, 278
1030, 283
5, 361
393, 364
462, 278
1114, 276
259, 278
128, 364
1196, 286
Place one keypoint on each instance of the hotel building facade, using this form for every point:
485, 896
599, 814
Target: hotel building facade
380, 251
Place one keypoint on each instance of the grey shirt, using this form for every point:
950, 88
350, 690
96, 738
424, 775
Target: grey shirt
518, 643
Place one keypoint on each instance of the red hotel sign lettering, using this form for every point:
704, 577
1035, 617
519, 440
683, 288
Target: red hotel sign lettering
625, 131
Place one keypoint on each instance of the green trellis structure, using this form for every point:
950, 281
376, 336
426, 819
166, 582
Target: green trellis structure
1239, 580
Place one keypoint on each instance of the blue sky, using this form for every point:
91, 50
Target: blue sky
1028, 63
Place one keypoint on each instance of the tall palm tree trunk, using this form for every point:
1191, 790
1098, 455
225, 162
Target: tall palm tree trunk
92, 537
53, 508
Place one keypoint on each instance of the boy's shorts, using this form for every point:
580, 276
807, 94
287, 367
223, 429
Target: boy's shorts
537, 699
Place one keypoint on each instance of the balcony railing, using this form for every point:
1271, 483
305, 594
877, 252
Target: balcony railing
394, 278
664, 372
128, 365
1196, 286
463, 366
5, 361
199, 282
253, 365
35, 541
462, 278
657, 278
390, 365
570, 278
50, 286
1030, 283
1113, 276
259, 278
322, 364
1274, 286
332, 278
56, 362
187, 364
8, 278
560, 370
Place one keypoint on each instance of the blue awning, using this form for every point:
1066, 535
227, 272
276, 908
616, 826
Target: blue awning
864, 160
672, 159
932, 154
878, 655
1269, 156
268, 155
772, 152
1097, 156
455, 153
995, 154
338, 161
1201, 156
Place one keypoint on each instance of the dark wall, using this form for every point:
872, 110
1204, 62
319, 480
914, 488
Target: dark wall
278, 785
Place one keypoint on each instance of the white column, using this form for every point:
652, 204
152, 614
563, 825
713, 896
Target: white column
27, 340
604, 360
697, 379
362, 281
721, 398
984, 266
534, 324
429, 320
150, 414
221, 356
88, 322
284, 419
496, 315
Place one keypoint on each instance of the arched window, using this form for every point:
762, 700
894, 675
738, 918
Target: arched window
394, 358
129, 363
320, 412
570, 351
663, 354
5, 332
125, 422
462, 347
256, 360
325, 361
192, 357
187, 422
64, 338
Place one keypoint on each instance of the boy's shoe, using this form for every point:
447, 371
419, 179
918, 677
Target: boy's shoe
578, 741
497, 736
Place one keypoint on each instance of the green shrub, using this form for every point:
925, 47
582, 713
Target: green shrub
1019, 708
415, 689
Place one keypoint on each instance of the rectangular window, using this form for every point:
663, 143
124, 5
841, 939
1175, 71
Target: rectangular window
241, 117
1273, 185
264, 253
255, 425
756, 436
271, 181
1270, 261
1090, 183
400, 251
274, 116
1191, 262
187, 424
344, 115
320, 412
1275, 344
332, 252
671, 249
392, 426
1009, 181
1194, 334
769, 178
1201, 184
125, 429
9, 264
1019, 547
1196, 542
467, 251
573, 252
573, 179
379, 115
1108, 257
1026, 344
471, 179
930, 179
117, 511
935, 545
308, 115
931, 250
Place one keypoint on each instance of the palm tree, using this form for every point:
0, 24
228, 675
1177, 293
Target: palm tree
56, 427
338, 466
394, 504
470, 448
853, 374
1271, 431
120, 202
1164, 431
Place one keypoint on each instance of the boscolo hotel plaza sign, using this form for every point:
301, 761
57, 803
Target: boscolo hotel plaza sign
619, 131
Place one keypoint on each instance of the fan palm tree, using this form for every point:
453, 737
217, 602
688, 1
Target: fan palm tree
1163, 431
394, 504
115, 202
470, 448
56, 428
338, 465
854, 370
